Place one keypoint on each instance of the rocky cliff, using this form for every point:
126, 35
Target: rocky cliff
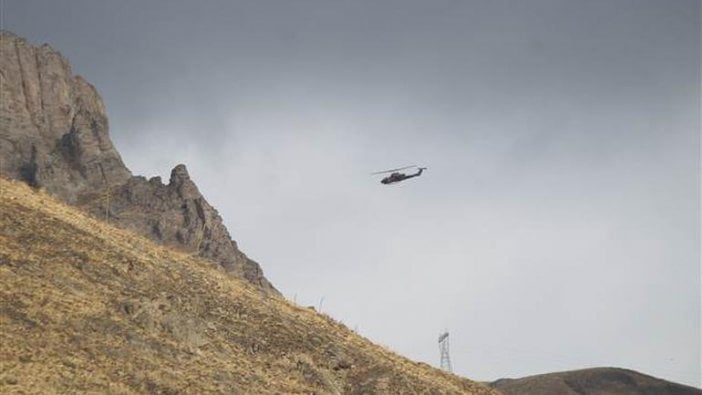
54, 135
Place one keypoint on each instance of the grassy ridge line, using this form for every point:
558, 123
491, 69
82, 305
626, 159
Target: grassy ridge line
90, 307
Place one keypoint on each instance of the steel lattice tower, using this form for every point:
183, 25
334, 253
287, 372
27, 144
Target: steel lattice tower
444, 349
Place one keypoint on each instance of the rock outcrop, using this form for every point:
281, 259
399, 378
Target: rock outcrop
54, 135
53, 125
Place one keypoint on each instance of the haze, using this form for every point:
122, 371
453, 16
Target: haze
557, 226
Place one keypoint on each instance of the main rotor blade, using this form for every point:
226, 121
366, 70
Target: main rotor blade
390, 171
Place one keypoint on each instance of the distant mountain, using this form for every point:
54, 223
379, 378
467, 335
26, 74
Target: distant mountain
596, 381
54, 135
90, 308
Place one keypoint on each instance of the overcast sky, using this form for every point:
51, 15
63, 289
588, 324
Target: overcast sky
557, 226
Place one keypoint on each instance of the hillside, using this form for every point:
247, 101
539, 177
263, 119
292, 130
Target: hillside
88, 307
596, 381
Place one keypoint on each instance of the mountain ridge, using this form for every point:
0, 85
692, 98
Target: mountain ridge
592, 381
54, 134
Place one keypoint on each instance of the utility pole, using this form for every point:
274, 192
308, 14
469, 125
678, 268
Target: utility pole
444, 350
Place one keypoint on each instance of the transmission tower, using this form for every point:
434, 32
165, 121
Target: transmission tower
444, 349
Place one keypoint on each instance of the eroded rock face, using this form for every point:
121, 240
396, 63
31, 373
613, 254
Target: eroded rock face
53, 125
174, 214
54, 135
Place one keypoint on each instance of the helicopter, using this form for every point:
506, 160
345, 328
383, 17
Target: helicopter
396, 176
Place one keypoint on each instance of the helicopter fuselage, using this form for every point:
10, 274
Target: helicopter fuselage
397, 177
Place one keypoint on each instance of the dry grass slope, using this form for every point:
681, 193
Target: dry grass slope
89, 308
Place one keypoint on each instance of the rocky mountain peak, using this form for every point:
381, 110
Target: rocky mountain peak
180, 180
179, 174
54, 129
54, 134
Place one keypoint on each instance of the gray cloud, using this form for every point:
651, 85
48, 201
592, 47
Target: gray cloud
558, 225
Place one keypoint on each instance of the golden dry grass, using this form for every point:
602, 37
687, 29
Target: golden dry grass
89, 308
